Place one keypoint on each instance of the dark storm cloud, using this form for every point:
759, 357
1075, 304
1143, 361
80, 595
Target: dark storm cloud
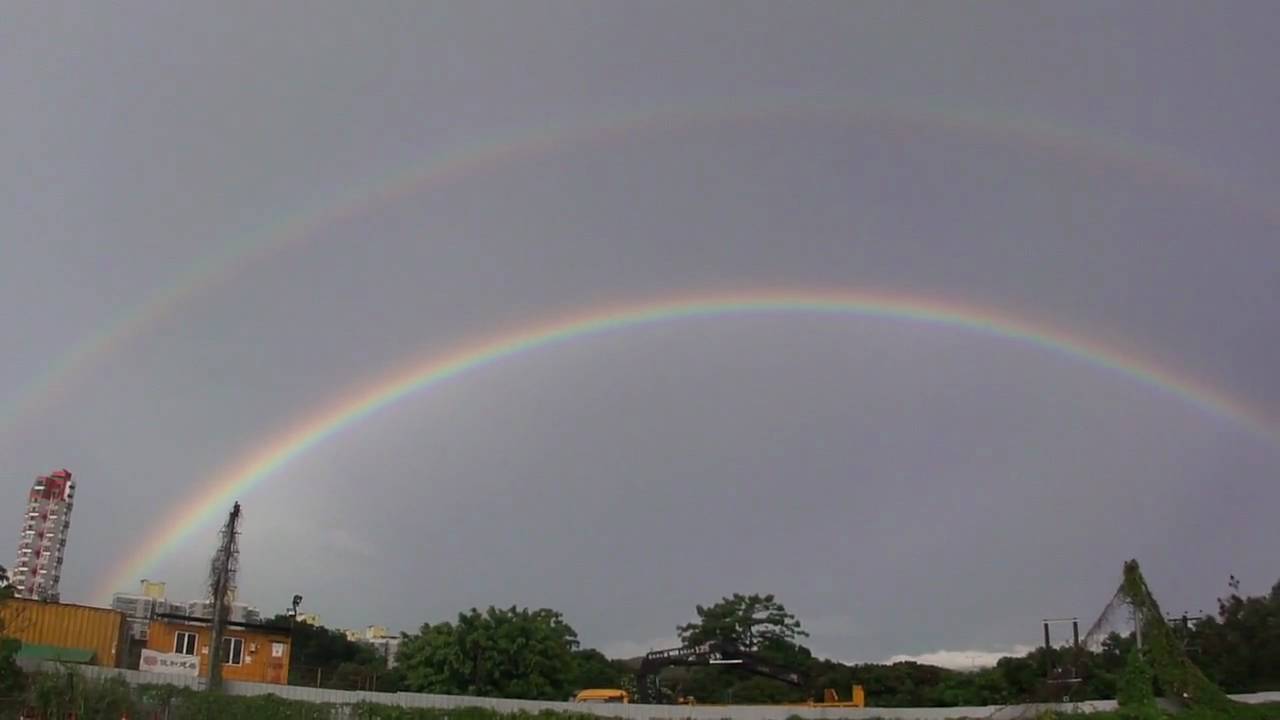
904, 489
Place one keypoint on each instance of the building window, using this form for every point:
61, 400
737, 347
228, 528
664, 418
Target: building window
184, 643
232, 651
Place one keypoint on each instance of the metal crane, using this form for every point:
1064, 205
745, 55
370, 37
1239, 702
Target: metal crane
712, 653
222, 589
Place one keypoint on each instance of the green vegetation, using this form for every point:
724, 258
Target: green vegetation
57, 694
514, 652
1238, 651
326, 658
757, 623
534, 654
487, 653
750, 621
11, 679
591, 669
67, 695
1178, 676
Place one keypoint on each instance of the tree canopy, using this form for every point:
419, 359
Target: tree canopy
749, 621
513, 652
1239, 651
523, 653
591, 669
1240, 648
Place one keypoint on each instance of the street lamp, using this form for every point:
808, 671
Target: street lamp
292, 612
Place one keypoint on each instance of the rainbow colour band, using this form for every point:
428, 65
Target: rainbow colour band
314, 428
1090, 148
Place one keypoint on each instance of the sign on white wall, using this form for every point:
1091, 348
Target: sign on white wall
171, 663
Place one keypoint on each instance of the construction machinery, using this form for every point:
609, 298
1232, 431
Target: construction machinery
831, 699
729, 654
603, 695
712, 653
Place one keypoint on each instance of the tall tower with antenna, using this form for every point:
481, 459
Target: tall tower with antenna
222, 590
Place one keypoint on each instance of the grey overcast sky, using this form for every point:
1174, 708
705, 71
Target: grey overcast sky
906, 489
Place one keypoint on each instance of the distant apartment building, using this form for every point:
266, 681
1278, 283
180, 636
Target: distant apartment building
377, 637
47, 519
141, 609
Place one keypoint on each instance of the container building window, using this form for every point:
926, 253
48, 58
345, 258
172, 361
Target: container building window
184, 643
232, 651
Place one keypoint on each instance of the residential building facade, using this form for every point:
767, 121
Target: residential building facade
380, 639
45, 523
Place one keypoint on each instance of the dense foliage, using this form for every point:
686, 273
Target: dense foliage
10, 674
1238, 651
757, 623
591, 669
513, 652
1163, 651
522, 653
54, 694
749, 621
1240, 648
326, 658
63, 695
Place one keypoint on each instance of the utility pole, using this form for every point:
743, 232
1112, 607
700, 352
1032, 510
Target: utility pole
222, 587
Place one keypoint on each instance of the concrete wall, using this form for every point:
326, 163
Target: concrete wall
627, 712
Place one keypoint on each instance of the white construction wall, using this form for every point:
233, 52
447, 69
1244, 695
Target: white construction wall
626, 712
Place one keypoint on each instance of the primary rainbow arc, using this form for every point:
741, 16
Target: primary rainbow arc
317, 427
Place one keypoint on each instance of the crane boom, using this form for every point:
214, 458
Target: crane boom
713, 653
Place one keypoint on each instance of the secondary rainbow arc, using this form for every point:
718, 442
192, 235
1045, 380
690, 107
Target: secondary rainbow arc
519, 144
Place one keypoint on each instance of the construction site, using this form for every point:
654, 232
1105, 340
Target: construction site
86, 647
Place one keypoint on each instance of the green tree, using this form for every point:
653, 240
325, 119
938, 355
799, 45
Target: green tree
750, 621
1240, 648
591, 669
756, 623
325, 657
1135, 693
514, 652
10, 673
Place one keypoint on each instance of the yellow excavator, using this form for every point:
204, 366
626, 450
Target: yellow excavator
830, 698
603, 695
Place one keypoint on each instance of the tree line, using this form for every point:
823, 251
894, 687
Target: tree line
534, 653
519, 652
